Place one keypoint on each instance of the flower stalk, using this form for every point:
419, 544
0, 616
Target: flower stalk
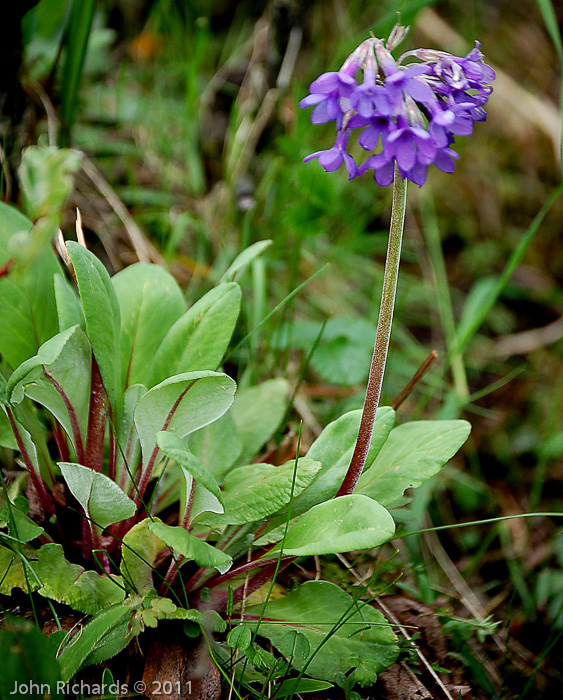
383, 335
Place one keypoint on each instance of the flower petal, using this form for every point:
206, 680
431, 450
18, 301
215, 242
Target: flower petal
331, 160
405, 152
384, 175
350, 164
311, 100
325, 83
419, 91
445, 160
325, 111
418, 173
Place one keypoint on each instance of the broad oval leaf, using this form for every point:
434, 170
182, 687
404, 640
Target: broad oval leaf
17, 332
258, 412
239, 637
58, 377
359, 634
175, 448
199, 338
129, 452
191, 547
334, 448
217, 446
150, 302
100, 497
85, 591
413, 453
28, 314
107, 633
259, 490
340, 525
101, 312
138, 554
69, 309
183, 404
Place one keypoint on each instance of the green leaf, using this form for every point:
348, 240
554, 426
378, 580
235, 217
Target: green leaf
239, 637
198, 339
102, 638
304, 685
69, 310
191, 547
340, 525
259, 490
100, 497
7, 437
241, 262
175, 448
101, 311
138, 554
12, 222
217, 446
150, 302
19, 524
76, 43
67, 359
85, 591
314, 609
29, 447
258, 412
412, 454
28, 658
12, 572
127, 436
334, 448
183, 404
27, 302
36, 281
17, 331
45, 177
295, 644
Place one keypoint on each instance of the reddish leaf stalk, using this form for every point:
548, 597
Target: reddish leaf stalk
78, 444
147, 473
112, 450
94, 456
253, 585
60, 439
383, 335
172, 573
242, 569
44, 497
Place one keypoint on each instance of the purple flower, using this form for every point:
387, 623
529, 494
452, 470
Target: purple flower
407, 82
414, 111
333, 158
363, 99
409, 145
377, 126
330, 93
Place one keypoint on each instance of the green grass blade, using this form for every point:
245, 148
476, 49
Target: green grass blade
552, 26
76, 43
515, 260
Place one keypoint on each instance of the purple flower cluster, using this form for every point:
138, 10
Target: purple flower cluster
408, 115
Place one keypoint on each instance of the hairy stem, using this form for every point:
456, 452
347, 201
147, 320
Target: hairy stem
377, 369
